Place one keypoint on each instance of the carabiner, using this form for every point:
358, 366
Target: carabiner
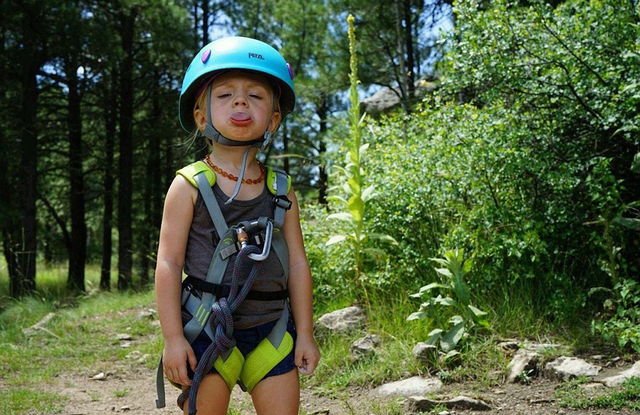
267, 244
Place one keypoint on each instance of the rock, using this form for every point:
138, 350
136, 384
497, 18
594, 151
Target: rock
464, 403
539, 347
387, 98
122, 336
613, 361
416, 404
618, 379
566, 368
523, 361
148, 313
125, 344
409, 387
425, 353
99, 376
342, 321
125, 408
365, 346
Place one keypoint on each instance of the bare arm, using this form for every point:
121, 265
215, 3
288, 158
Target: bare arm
176, 221
300, 291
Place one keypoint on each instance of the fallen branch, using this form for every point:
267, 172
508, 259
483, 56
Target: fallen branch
30, 331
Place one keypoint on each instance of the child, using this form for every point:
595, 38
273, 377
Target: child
235, 92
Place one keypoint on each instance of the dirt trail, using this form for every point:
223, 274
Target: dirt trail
128, 387
131, 390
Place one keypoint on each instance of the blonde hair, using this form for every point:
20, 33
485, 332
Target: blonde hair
202, 104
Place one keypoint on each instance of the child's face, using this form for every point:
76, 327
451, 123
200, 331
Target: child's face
241, 106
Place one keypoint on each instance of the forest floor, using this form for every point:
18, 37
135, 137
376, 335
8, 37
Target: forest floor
130, 389
128, 386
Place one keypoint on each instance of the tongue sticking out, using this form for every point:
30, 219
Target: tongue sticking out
240, 116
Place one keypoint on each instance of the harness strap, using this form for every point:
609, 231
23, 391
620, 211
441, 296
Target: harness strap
277, 333
222, 291
282, 202
211, 204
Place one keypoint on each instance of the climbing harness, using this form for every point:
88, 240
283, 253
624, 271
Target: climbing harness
211, 305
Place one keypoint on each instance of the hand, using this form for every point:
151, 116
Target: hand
177, 352
307, 354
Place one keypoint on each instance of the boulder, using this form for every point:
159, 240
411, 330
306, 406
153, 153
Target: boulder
618, 379
523, 361
365, 346
425, 353
566, 368
346, 320
409, 387
388, 98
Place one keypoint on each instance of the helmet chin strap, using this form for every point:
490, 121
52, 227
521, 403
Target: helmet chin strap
214, 135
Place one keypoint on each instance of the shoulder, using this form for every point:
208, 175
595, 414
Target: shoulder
272, 179
181, 190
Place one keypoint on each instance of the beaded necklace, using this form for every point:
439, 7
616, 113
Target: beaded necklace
230, 176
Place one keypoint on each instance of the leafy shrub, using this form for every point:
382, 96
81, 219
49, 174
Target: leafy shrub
453, 315
624, 325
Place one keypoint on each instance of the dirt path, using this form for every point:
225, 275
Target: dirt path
131, 390
128, 387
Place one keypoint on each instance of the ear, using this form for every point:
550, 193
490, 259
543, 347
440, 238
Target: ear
275, 121
200, 118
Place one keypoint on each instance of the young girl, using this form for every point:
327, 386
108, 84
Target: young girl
235, 92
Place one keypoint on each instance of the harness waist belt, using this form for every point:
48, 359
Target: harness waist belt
222, 291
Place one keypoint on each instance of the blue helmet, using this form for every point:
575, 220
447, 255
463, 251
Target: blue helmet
235, 53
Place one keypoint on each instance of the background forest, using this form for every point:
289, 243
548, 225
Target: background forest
511, 155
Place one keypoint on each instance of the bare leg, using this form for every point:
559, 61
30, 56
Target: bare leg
213, 396
277, 395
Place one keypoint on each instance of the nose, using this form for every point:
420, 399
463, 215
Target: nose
240, 100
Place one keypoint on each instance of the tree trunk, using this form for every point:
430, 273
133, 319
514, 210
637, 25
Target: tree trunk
25, 277
156, 175
125, 165
205, 22
195, 22
78, 252
10, 225
402, 79
323, 177
410, 75
107, 217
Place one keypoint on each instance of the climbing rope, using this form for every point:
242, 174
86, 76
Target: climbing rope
221, 322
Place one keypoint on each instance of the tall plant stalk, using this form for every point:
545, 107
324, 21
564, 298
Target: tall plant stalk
355, 204
353, 184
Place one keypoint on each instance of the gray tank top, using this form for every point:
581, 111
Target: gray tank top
200, 249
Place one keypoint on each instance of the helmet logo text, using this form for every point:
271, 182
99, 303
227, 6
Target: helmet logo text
255, 55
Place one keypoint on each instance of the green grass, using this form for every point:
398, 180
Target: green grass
627, 395
394, 359
16, 401
80, 338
